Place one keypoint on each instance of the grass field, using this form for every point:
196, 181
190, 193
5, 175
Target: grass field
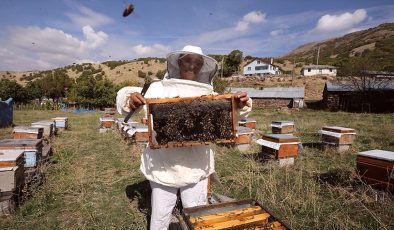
94, 182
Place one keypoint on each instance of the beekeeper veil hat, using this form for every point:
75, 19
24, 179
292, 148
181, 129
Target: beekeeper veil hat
207, 71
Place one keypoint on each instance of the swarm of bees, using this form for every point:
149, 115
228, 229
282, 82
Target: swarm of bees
128, 10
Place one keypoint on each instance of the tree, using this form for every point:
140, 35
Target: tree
91, 92
232, 63
12, 89
160, 73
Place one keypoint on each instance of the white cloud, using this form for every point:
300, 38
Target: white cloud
43, 48
253, 17
87, 16
331, 23
154, 50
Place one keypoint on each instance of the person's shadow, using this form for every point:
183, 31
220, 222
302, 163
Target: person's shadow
141, 192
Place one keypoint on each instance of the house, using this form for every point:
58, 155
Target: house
259, 67
313, 70
292, 97
375, 96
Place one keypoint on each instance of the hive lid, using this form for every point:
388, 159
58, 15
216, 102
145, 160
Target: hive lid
12, 143
244, 130
378, 154
10, 155
338, 129
280, 138
43, 123
28, 129
60, 118
107, 119
12, 168
282, 122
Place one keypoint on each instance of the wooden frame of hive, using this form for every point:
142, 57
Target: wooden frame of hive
244, 214
376, 168
150, 102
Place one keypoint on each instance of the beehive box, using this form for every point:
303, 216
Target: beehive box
107, 122
137, 132
49, 127
32, 149
244, 135
376, 168
245, 214
282, 127
11, 170
249, 122
61, 123
337, 135
27, 132
179, 122
279, 145
108, 112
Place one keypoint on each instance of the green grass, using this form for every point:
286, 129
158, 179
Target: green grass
85, 186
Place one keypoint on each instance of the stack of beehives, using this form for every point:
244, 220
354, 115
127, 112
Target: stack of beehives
245, 133
21, 158
132, 131
108, 120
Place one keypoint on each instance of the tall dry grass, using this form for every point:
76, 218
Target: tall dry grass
94, 182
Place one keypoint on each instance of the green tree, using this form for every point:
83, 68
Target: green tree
12, 89
91, 92
160, 73
232, 63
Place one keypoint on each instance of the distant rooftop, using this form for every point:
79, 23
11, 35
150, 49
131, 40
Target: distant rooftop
276, 92
319, 67
343, 86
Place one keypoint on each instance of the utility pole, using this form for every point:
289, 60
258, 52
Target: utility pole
318, 53
222, 67
292, 73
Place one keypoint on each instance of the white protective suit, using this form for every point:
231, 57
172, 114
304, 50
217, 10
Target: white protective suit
174, 167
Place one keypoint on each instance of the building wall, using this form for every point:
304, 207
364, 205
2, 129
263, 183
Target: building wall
359, 101
275, 102
268, 68
314, 72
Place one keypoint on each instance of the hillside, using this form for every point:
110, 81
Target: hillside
116, 71
374, 45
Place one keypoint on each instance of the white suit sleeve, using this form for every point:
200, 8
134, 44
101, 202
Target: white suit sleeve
122, 99
246, 110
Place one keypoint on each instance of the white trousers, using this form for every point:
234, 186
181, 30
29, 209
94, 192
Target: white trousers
164, 200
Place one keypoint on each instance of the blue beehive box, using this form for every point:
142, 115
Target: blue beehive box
32, 149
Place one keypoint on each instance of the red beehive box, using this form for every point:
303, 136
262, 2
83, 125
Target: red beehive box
376, 168
338, 135
250, 123
280, 145
282, 127
188, 121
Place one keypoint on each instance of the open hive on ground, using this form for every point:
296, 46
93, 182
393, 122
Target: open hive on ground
177, 122
244, 214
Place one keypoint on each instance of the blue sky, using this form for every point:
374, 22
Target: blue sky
43, 34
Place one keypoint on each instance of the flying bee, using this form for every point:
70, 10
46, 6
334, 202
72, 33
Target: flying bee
128, 10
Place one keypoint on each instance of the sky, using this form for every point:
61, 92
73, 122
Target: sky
46, 34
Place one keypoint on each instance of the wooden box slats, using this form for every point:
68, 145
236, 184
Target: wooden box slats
245, 214
32, 149
27, 132
376, 168
152, 140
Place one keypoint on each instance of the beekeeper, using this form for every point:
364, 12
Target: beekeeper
190, 73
